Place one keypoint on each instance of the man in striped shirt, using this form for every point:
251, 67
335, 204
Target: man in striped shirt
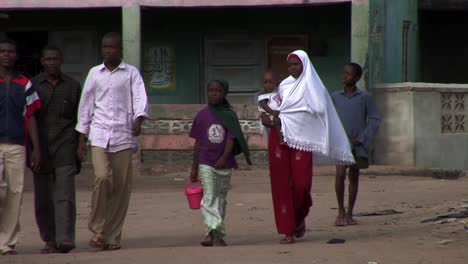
18, 103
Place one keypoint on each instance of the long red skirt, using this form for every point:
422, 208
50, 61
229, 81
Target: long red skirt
291, 182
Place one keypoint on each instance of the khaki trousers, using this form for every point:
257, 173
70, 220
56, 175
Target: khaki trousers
13, 158
111, 193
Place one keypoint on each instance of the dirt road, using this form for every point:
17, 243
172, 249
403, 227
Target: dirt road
161, 229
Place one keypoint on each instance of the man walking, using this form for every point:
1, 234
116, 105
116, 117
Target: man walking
54, 182
112, 108
18, 103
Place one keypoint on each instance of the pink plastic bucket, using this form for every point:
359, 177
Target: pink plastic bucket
194, 193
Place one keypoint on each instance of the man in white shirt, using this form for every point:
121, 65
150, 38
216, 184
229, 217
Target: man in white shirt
112, 108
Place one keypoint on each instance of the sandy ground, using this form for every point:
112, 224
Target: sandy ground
161, 229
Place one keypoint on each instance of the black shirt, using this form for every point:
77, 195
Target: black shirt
56, 121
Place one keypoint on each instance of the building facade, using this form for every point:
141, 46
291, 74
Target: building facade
410, 50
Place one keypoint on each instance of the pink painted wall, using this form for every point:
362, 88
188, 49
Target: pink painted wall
19, 4
29, 4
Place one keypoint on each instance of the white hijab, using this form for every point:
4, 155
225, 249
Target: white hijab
309, 119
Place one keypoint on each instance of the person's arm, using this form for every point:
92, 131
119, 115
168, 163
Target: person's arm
228, 149
139, 102
264, 105
34, 136
196, 158
85, 113
373, 122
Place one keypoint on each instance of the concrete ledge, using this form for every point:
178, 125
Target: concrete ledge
184, 142
188, 111
422, 87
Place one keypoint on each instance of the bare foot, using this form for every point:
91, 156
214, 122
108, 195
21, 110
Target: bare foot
287, 240
220, 243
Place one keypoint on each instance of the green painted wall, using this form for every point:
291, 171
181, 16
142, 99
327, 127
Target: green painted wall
396, 12
187, 49
329, 24
360, 38
387, 56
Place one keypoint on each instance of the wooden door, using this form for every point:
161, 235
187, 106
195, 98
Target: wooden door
237, 59
278, 48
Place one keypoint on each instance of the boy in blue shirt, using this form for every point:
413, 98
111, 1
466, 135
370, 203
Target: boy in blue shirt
361, 120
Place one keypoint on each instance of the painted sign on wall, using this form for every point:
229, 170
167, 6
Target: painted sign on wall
159, 67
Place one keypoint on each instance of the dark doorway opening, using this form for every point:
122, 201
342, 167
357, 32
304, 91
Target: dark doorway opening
29, 46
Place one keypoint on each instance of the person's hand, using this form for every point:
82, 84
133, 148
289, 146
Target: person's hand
356, 141
266, 120
220, 163
82, 148
35, 159
136, 129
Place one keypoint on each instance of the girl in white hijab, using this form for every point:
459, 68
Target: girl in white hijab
310, 127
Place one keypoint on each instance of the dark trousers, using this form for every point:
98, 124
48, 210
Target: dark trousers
55, 207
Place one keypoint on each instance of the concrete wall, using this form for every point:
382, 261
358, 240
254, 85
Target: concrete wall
394, 143
423, 124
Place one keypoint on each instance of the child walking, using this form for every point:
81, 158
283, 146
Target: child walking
218, 138
269, 100
361, 120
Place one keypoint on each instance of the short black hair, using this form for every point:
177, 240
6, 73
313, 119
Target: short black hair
9, 41
51, 48
357, 69
114, 35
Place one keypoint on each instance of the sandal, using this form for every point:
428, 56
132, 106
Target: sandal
300, 230
112, 247
220, 243
287, 240
66, 246
97, 242
350, 221
49, 249
209, 240
340, 221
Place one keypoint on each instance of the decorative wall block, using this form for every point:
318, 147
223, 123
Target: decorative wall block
180, 127
453, 113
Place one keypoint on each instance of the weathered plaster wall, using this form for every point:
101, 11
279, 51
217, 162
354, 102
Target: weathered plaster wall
394, 143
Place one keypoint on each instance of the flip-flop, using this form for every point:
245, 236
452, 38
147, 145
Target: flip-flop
350, 221
339, 221
9, 253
